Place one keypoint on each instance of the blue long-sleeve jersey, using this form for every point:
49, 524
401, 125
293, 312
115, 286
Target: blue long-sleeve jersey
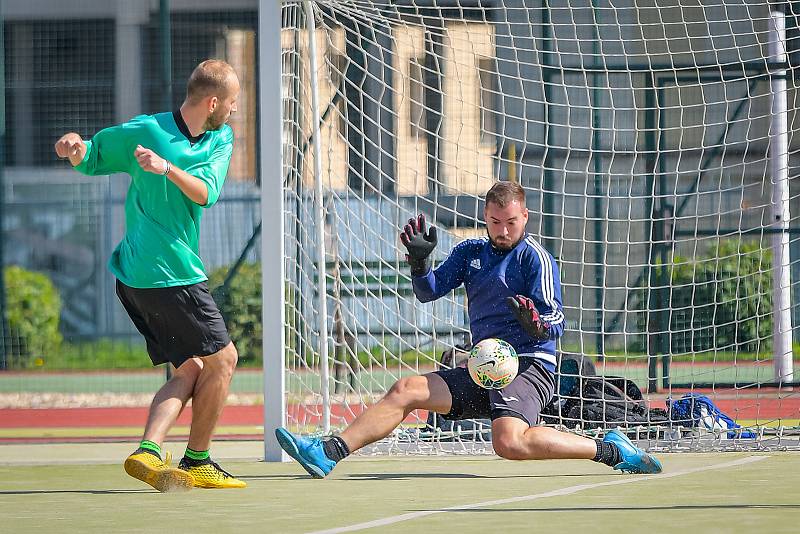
489, 276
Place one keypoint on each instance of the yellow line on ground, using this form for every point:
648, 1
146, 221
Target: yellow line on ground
555, 493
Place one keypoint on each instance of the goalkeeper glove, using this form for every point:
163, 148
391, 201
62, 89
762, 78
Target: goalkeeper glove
528, 316
419, 245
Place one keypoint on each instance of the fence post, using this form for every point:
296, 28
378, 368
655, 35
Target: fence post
3, 324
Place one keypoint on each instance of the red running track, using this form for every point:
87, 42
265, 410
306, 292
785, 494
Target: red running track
763, 409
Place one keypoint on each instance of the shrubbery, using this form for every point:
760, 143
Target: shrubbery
720, 301
240, 304
33, 309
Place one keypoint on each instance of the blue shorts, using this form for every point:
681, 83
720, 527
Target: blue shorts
523, 398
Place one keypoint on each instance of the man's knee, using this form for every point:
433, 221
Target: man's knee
506, 446
517, 446
408, 391
531, 444
224, 361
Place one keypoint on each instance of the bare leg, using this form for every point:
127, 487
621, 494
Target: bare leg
170, 400
210, 393
513, 439
427, 392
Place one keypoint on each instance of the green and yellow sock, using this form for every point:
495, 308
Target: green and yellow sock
197, 456
151, 447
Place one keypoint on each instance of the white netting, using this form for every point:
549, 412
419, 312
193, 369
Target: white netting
656, 156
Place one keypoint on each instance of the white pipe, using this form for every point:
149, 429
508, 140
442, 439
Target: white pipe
319, 212
779, 170
272, 253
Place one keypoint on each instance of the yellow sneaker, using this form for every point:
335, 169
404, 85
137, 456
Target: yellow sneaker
208, 474
151, 469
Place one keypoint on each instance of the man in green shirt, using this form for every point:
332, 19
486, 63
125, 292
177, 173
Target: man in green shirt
177, 162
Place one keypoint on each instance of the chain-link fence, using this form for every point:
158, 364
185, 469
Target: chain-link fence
82, 67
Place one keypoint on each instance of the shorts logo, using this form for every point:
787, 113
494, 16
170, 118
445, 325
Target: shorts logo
509, 399
475, 264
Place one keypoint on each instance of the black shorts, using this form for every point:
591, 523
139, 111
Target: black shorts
523, 398
178, 322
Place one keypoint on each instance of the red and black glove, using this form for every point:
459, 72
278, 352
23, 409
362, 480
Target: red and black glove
419, 244
528, 316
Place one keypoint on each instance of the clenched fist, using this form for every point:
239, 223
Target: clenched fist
149, 161
71, 146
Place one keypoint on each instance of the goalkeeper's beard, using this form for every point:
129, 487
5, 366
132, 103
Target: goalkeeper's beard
508, 245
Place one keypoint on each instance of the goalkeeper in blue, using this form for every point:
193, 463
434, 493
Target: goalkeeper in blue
514, 293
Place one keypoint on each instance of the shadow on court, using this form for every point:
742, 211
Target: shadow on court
409, 476
85, 492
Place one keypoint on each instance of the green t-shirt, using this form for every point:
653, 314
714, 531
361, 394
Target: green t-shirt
161, 243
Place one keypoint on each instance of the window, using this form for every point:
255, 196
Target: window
487, 73
416, 96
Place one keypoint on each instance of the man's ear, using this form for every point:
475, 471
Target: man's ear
213, 102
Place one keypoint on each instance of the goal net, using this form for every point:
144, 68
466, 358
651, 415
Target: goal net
654, 141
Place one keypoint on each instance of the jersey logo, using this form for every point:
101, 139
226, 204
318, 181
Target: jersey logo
509, 399
475, 264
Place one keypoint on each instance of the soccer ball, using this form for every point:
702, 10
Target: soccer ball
493, 363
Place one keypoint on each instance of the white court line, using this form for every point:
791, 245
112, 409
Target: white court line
555, 493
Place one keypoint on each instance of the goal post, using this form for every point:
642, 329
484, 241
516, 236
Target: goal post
273, 271
654, 143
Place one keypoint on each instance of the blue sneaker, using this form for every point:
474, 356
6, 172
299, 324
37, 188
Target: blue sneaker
307, 451
634, 459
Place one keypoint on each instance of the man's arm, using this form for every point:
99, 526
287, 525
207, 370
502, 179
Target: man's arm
540, 313
429, 285
213, 171
109, 151
445, 278
192, 187
201, 183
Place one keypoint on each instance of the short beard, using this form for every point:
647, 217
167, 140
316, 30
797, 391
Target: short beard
503, 247
214, 122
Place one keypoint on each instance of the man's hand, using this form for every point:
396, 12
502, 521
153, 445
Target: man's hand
71, 146
149, 161
528, 316
419, 244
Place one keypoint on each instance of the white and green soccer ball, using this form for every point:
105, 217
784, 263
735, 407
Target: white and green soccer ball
493, 363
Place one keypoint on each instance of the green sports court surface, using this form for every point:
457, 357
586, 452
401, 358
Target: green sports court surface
82, 488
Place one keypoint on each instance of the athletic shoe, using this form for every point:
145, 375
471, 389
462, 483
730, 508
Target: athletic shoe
307, 451
148, 467
634, 459
208, 474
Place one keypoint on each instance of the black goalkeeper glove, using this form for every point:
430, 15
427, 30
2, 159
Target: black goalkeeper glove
419, 245
528, 316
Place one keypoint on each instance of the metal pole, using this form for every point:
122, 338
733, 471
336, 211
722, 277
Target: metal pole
165, 43
270, 124
319, 212
779, 170
599, 248
166, 54
3, 323
652, 341
548, 181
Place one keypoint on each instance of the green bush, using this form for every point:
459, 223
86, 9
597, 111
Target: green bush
240, 304
719, 301
33, 309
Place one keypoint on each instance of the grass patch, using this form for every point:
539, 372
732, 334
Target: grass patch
93, 355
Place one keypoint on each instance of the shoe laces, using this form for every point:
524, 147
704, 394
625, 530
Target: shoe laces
207, 462
221, 470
